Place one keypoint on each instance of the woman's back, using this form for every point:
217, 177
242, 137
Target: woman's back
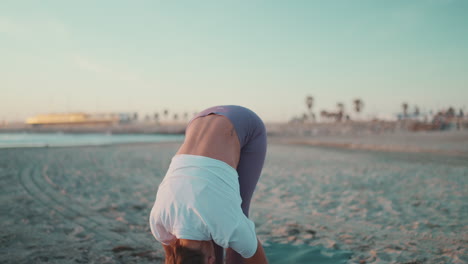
212, 136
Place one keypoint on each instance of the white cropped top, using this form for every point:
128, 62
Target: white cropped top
199, 199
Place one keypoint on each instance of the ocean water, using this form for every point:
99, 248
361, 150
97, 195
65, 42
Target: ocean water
17, 140
90, 204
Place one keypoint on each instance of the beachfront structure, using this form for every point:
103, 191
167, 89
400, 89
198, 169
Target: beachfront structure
73, 119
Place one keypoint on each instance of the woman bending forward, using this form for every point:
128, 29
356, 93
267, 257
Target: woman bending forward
202, 204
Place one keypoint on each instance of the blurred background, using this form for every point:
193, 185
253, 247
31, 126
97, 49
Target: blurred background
304, 61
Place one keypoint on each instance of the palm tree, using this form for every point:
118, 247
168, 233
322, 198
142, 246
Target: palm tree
405, 109
340, 111
176, 116
166, 113
358, 105
310, 102
156, 117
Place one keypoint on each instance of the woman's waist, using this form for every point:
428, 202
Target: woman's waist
201, 170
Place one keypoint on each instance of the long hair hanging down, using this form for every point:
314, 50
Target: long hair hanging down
184, 255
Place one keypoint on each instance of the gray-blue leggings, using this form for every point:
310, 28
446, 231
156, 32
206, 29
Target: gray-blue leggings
253, 142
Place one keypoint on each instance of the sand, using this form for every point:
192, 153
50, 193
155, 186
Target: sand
312, 205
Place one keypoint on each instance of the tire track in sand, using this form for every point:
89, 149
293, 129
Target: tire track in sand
42, 192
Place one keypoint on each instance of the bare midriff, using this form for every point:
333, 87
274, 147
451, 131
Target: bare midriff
212, 136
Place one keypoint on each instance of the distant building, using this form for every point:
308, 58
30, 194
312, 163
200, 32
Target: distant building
73, 119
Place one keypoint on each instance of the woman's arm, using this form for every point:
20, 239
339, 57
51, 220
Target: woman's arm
169, 249
259, 257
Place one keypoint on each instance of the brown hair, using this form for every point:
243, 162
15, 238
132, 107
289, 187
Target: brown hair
184, 255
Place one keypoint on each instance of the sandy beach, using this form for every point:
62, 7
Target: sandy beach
361, 103
453, 143
317, 201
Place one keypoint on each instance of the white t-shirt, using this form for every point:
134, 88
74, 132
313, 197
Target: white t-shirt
199, 199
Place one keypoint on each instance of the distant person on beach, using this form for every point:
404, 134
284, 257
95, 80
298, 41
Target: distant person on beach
202, 204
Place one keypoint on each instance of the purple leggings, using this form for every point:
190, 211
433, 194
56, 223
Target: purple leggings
253, 141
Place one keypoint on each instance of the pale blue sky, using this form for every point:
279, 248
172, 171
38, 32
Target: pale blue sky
146, 56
